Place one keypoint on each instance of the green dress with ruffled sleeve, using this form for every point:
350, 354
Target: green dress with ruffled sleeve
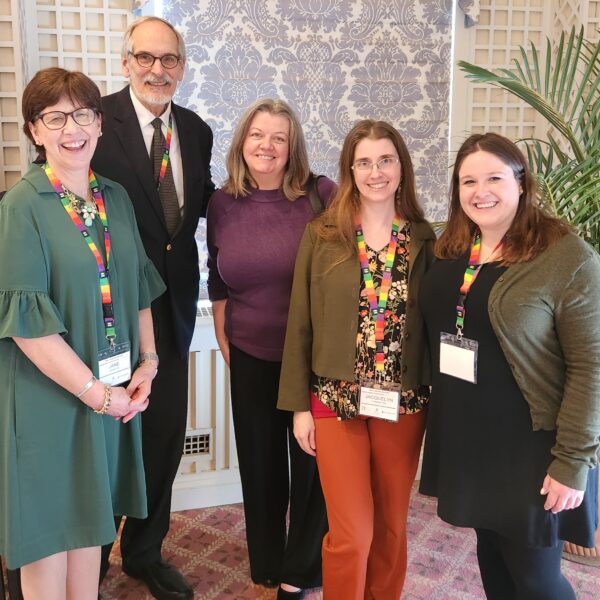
64, 470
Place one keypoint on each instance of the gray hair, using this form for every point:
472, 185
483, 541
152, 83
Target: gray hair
128, 42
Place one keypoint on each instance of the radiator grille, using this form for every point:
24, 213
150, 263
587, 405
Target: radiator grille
204, 311
196, 444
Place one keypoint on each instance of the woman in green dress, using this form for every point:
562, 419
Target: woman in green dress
77, 355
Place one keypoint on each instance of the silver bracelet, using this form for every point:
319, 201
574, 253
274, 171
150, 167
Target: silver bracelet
86, 387
145, 356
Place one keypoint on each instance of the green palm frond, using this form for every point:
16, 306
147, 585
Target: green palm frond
563, 87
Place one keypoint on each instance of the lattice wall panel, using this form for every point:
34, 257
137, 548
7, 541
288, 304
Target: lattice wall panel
12, 146
567, 14
503, 27
84, 35
592, 20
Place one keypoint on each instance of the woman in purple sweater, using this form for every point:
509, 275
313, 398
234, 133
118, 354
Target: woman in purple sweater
255, 223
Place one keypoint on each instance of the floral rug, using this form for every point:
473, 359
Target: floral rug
208, 546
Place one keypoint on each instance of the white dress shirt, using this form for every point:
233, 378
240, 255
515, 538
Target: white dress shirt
145, 118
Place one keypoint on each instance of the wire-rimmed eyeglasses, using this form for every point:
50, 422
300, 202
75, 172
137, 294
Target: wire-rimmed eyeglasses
57, 119
147, 60
383, 164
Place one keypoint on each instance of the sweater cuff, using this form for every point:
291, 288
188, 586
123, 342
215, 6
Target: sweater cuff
572, 474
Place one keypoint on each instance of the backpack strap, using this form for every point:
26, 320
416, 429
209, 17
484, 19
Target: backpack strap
313, 194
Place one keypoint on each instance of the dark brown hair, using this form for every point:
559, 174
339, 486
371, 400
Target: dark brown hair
48, 86
337, 223
532, 230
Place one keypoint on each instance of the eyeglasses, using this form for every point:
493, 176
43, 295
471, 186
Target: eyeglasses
147, 60
383, 164
57, 119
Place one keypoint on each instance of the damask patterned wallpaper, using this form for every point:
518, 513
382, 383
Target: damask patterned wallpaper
471, 10
334, 61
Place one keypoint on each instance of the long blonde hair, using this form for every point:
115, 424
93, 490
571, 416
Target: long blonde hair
337, 224
239, 181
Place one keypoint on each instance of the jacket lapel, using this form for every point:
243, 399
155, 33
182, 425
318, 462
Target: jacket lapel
129, 134
187, 152
419, 232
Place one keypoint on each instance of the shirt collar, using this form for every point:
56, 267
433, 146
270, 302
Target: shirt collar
145, 117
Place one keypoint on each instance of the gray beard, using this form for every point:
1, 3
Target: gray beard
155, 99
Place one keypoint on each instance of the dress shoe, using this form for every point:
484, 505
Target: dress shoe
163, 580
285, 595
268, 583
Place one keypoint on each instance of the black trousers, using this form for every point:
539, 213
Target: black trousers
163, 434
510, 571
263, 437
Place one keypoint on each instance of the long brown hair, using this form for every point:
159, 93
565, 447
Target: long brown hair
337, 223
239, 182
532, 230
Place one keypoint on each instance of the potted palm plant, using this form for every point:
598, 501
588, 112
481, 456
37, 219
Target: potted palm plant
563, 86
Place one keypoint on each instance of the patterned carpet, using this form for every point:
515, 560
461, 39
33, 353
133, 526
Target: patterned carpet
208, 546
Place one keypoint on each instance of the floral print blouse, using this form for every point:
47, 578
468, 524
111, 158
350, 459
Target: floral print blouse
342, 396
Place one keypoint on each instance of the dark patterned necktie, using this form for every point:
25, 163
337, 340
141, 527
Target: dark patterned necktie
167, 191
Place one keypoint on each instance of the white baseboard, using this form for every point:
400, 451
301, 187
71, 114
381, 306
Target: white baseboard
206, 489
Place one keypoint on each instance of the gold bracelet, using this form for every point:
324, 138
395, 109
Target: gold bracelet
86, 387
107, 400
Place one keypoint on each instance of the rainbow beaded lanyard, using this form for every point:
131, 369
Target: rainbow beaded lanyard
165, 158
104, 282
378, 305
471, 273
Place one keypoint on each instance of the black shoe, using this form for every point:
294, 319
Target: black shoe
285, 595
163, 580
268, 583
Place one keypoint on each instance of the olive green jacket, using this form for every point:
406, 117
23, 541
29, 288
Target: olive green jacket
323, 318
546, 316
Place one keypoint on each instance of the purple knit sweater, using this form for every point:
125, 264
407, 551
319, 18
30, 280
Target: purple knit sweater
252, 246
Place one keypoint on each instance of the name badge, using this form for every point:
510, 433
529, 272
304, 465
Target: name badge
114, 364
380, 401
458, 357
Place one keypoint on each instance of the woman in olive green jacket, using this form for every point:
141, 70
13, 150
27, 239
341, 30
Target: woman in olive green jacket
355, 368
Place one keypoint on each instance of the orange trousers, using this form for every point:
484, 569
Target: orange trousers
367, 468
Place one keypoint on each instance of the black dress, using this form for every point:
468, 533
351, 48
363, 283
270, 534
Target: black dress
482, 458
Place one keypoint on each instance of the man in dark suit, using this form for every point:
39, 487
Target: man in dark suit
144, 132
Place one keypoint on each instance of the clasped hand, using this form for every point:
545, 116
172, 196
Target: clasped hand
133, 399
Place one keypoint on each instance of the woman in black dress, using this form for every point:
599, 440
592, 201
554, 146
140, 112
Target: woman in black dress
513, 318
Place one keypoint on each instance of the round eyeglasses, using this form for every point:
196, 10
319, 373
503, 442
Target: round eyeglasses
57, 119
383, 164
147, 60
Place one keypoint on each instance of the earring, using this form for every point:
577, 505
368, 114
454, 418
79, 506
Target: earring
398, 192
100, 134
